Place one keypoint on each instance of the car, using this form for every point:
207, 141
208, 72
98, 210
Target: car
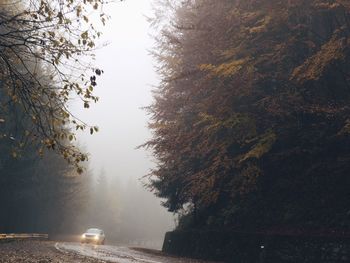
93, 235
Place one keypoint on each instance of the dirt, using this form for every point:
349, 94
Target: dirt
38, 252
31, 251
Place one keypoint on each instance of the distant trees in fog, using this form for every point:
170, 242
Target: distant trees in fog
37, 194
125, 211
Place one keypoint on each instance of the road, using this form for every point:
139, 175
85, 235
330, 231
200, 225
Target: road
53, 252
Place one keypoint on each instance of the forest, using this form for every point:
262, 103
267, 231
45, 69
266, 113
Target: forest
47, 184
251, 119
39, 163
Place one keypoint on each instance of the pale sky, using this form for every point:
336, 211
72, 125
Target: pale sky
123, 89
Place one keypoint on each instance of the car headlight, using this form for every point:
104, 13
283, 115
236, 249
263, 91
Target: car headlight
83, 236
96, 237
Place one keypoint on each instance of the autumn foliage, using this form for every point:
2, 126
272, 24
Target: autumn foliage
45, 61
251, 119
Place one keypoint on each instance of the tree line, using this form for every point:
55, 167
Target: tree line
45, 48
251, 118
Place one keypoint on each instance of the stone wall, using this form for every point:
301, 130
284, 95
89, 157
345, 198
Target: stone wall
229, 246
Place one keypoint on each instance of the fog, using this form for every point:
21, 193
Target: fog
124, 88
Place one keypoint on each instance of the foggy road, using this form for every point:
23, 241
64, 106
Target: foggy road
119, 254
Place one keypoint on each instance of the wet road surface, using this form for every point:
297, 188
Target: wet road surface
120, 254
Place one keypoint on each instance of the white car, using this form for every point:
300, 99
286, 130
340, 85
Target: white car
93, 235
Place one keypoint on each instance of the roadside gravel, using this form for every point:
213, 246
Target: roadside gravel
30, 251
38, 252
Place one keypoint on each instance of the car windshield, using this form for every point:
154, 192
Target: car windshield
93, 231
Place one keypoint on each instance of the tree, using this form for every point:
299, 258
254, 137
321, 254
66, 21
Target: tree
52, 37
250, 120
46, 191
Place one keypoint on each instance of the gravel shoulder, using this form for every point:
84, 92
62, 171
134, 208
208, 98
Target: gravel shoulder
30, 251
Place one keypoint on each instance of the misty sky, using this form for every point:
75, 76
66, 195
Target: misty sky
124, 88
